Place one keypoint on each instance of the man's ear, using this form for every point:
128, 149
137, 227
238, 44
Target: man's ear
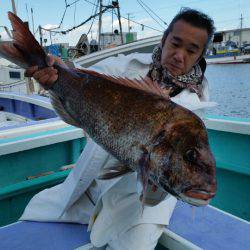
202, 63
202, 55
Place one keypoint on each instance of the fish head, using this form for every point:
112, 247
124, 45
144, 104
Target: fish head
182, 162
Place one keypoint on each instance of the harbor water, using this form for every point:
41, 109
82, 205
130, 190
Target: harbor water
230, 88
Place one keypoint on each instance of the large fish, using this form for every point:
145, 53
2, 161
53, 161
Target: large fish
133, 120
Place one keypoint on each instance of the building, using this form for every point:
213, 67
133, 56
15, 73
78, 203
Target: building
237, 36
109, 39
10, 73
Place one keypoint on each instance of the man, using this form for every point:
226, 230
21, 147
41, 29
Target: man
112, 208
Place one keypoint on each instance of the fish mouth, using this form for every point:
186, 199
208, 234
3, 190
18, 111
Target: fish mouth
197, 197
193, 196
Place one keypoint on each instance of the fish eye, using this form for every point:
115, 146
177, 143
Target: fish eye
191, 155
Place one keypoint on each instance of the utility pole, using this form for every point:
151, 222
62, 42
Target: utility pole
119, 19
241, 24
100, 25
13, 6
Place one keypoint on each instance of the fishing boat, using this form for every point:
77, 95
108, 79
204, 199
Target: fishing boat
228, 59
11, 79
33, 107
27, 151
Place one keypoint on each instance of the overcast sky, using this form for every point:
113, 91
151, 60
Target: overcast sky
49, 13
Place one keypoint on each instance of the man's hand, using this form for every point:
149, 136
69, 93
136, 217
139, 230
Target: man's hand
46, 76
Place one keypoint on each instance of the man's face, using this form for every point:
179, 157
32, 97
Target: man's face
183, 47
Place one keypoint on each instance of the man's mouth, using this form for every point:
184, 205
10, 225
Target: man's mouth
174, 69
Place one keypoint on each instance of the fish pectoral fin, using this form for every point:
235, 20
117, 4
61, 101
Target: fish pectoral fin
62, 111
113, 172
144, 166
153, 195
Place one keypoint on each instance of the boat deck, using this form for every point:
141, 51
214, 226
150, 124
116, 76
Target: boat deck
207, 228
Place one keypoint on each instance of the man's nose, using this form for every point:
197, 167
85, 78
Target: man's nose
179, 56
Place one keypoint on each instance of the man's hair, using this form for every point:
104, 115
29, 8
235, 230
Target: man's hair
196, 19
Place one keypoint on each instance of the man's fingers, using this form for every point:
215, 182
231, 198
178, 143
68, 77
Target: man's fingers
53, 79
44, 79
46, 71
30, 71
47, 79
46, 76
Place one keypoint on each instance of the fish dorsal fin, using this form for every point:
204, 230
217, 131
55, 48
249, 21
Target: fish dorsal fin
142, 84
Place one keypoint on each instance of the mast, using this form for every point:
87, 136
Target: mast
29, 83
100, 25
41, 35
115, 5
241, 21
119, 18
13, 6
33, 28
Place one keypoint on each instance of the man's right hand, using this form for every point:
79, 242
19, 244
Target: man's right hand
46, 76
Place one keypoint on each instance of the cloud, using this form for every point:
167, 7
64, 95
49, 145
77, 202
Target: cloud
50, 26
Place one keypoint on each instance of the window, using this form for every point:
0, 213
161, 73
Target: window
15, 74
237, 33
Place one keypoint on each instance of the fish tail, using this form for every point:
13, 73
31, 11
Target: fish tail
23, 50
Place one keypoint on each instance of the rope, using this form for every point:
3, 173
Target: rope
141, 4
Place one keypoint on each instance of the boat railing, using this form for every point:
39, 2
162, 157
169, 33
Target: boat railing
18, 86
